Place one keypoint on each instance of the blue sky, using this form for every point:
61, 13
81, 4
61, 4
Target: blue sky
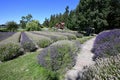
12, 10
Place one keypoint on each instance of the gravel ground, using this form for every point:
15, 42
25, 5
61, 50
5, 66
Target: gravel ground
84, 58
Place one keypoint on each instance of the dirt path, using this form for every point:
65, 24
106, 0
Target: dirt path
84, 59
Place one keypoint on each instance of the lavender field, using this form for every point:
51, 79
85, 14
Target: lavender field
29, 41
62, 48
48, 55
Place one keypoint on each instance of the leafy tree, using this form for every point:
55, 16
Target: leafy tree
34, 25
11, 26
28, 18
24, 20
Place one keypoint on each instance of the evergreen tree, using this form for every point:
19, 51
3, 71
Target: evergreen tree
46, 22
65, 16
97, 14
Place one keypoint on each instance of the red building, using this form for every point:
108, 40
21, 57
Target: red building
60, 25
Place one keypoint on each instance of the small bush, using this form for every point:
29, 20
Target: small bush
70, 36
59, 55
104, 69
9, 51
26, 43
106, 36
50, 75
44, 43
34, 25
41, 41
58, 37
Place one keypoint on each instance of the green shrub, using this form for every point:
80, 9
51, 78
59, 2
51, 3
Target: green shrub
50, 75
28, 47
34, 25
41, 41
59, 55
12, 26
71, 36
9, 51
26, 43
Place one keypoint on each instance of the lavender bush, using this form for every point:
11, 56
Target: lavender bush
14, 38
9, 51
41, 41
59, 55
54, 37
107, 44
5, 35
26, 43
104, 69
10, 48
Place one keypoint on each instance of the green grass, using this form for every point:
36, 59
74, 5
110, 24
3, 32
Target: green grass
3, 30
21, 30
24, 68
84, 39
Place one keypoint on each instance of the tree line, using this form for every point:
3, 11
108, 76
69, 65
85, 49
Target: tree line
27, 23
98, 14
89, 14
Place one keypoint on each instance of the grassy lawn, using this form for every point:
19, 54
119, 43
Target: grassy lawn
24, 68
3, 30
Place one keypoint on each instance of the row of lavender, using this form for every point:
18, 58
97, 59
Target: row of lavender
10, 47
107, 44
5, 35
106, 51
15, 45
27, 42
55, 36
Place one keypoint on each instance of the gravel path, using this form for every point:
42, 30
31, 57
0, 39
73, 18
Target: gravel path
84, 58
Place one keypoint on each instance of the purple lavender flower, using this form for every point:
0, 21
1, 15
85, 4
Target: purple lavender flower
59, 55
107, 44
4, 35
27, 43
